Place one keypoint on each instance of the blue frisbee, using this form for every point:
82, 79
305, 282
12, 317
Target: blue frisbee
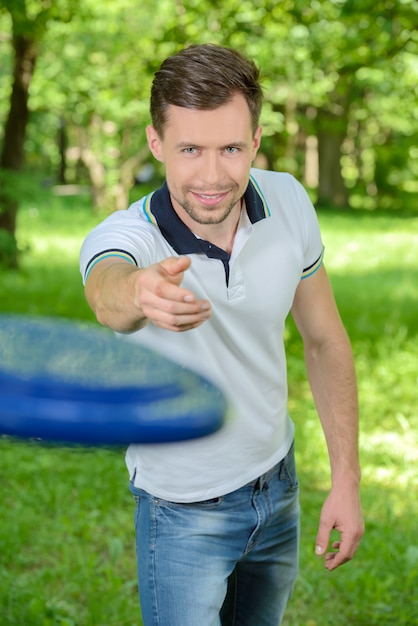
75, 383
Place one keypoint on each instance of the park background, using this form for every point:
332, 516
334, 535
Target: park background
341, 114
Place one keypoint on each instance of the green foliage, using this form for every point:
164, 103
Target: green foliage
50, 230
347, 61
6, 64
8, 248
66, 533
30, 17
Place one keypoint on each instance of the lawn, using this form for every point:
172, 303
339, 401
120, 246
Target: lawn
66, 533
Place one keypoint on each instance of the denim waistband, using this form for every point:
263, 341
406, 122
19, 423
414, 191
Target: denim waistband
259, 482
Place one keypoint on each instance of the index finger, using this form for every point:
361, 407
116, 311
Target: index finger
170, 291
345, 550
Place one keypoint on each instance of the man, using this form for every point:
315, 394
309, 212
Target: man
206, 270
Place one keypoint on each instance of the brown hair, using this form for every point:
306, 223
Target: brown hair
204, 77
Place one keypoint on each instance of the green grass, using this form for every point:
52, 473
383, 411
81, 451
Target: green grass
372, 261
66, 533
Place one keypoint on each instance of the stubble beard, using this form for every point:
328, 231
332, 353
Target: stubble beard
207, 215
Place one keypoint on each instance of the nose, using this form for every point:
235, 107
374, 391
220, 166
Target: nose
211, 170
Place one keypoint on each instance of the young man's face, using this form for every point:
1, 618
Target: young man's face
207, 157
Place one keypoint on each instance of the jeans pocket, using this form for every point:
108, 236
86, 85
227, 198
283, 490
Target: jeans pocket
213, 503
137, 498
288, 470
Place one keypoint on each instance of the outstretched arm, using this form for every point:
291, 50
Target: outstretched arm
125, 298
332, 378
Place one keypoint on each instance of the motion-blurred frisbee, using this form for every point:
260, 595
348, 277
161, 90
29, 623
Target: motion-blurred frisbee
75, 383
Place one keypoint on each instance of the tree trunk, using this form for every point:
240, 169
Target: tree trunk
126, 178
331, 187
97, 174
12, 155
331, 134
331, 126
62, 148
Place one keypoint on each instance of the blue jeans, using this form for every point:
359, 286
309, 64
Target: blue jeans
229, 561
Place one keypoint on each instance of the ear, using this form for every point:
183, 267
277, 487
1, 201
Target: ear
257, 141
154, 143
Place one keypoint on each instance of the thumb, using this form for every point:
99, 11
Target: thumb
174, 266
322, 538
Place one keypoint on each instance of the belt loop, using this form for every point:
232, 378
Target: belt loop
261, 482
282, 469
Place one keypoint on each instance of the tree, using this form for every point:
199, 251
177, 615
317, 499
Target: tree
29, 22
320, 65
94, 79
343, 38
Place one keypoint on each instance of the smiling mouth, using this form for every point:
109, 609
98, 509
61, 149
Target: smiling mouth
210, 199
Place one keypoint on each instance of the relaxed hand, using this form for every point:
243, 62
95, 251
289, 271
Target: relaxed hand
342, 512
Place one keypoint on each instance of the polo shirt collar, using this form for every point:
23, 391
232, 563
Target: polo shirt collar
181, 238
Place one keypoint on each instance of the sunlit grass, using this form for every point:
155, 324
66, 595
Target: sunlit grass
373, 265
66, 534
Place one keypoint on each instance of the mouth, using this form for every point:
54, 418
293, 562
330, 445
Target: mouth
211, 199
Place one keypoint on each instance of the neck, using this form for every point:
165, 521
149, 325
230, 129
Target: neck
224, 240
220, 234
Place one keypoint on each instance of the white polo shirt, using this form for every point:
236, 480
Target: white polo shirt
240, 348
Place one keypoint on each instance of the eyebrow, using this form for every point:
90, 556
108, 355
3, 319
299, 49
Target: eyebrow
232, 144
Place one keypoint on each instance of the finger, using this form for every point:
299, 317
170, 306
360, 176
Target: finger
178, 328
345, 551
174, 299
176, 266
179, 323
173, 293
174, 314
322, 538
334, 560
179, 313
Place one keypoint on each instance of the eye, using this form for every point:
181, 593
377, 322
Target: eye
189, 150
231, 150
